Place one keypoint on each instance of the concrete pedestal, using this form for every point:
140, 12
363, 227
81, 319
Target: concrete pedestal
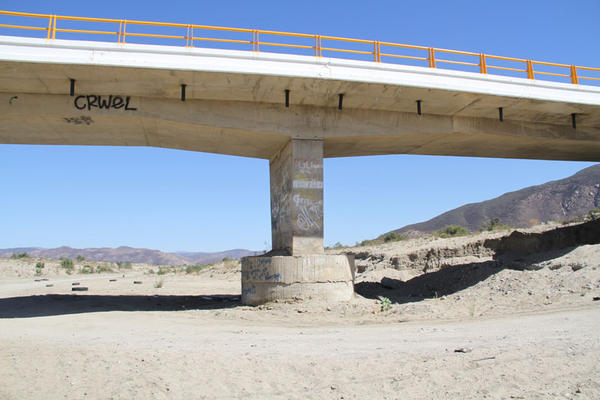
308, 277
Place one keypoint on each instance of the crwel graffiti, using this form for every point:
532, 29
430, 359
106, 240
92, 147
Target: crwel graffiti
258, 274
103, 102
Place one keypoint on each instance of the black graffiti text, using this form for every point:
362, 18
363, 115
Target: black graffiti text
103, 102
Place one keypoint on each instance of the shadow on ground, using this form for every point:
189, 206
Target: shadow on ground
443, 282
516, 251
62, 304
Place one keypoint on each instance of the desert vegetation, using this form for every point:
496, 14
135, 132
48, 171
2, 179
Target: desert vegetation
451, 231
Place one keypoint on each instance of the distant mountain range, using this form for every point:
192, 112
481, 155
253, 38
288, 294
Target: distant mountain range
560, 200
129, 254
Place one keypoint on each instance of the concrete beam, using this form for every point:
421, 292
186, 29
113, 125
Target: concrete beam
255, 129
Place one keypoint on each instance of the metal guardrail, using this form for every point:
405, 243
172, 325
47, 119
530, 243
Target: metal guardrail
379, 51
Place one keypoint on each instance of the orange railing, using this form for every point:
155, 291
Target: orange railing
317, 45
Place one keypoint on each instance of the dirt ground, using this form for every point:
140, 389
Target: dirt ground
468, 328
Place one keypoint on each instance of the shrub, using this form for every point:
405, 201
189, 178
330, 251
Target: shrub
15, 256
451, 231
367, 242
163, 270
103, 268
86, 269
124, 264
39, 267
194, 269
495, 224
393, 237
159, 284
80, 258
67, 264
385, 304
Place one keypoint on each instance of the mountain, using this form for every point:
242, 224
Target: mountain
130, 254
559, 200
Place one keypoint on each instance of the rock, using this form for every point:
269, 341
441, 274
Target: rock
137, 282
79, 289
463, 350
75, 284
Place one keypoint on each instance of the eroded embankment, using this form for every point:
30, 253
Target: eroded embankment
519, 249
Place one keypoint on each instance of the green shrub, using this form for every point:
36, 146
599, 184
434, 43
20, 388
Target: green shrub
103, 268
67, 264
393, 237
451, 231
494, 224
194, 269
159, 284
80, 258
367, 242
124, 264
384, 303
86, 269
163, 270
15, 256
39, 267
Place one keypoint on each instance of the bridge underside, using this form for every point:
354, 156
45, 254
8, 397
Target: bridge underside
261, 130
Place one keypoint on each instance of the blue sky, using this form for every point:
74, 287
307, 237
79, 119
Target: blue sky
177, 200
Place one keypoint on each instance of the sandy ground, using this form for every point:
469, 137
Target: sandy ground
472, 330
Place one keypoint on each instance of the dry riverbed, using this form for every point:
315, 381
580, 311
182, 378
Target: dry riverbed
468, 328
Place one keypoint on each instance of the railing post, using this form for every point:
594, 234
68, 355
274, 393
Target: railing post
482, 66
255, 41
530, 73
187, 36
124, 27
431, 57
49, 36
54, 27
317, 45
574, 79
377, 51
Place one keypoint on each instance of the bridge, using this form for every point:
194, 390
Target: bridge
124, 83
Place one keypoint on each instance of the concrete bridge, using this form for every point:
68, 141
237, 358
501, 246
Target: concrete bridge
292, 110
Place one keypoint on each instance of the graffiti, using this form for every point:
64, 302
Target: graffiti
80, 120
10, 101
308, 198
302, 164
310, 213
251, 289
103, 102
260, 275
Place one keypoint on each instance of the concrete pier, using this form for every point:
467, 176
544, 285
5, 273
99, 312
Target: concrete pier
297, 198
296, 268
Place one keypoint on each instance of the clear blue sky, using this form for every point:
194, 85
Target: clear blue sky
176, 200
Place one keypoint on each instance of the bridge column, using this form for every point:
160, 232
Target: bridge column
297, 267
297, 198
